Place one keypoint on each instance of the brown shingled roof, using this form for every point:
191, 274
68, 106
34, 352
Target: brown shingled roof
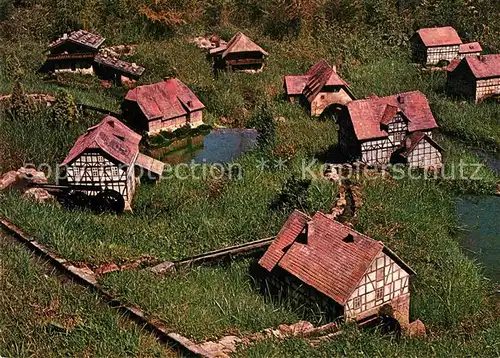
319, 75
241, 43
287, 235
116, 63
110, 135
167, 99
327, 262
368, 115
80, 37
439, 36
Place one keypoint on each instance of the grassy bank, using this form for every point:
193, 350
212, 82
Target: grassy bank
182, 217
43, 315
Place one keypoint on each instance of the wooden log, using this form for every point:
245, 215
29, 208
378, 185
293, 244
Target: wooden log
226, 252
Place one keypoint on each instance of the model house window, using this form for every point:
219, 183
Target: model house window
114, 171
95, 171
379, 293
356, 303
380, 274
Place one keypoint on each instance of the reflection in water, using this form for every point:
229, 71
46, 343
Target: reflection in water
219, 146
480, 215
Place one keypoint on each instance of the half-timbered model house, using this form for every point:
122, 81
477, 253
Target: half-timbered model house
78, 52
321, 87
239, 54
347, 273
162, 106
419, 151
432, 45
106, 156
475, 77
372, 129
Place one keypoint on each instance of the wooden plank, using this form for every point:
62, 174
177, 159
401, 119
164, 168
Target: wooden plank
226, 252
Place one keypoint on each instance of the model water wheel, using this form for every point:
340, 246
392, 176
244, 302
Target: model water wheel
75, 200
109, 200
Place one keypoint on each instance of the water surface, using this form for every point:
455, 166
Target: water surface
218, 146
480, 218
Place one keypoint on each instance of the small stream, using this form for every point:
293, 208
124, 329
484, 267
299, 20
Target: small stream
479, 216
218, 146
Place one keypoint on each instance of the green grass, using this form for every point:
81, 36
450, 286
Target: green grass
178, 218
203, 302
43, 315
355, 343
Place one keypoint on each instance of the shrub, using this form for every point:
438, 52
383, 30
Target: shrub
20, 105
64, 110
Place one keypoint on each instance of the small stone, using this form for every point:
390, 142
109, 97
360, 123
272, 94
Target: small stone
37, 194
212, 347
416, 329
230, 343
102, 270
7, 180
164, 267
127, 82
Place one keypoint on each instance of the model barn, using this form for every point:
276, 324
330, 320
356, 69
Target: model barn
162, 106
435, 44
321, 87
371, 130
475, 77
106, 156
78, 52
351, 274
73, 53
239, 54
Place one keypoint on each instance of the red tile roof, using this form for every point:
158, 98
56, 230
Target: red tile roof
287, 235
319, 75
439, 36
453, 64
80, 37
470, 48
111, 136
167, 99
294, 85
241, 43
413, 140
484, 66
327, 262
369, 115
116, 63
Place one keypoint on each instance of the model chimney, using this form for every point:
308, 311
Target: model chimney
401, 99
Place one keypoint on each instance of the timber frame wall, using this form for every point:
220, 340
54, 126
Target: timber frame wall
94, 169
384, 283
